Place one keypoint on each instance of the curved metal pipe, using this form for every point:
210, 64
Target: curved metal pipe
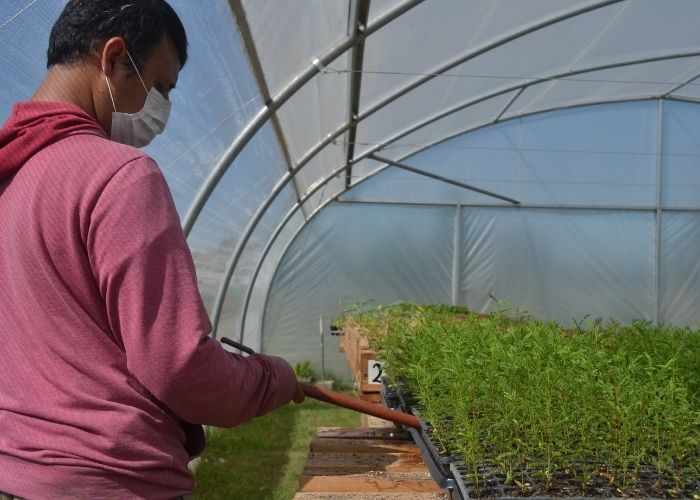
519, 87
296, 83
360, 181
268, 246
274, 104
290, 175
223, 165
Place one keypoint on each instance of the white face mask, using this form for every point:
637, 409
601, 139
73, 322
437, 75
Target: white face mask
140, 128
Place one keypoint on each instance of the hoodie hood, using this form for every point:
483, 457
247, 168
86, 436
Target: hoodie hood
35, 125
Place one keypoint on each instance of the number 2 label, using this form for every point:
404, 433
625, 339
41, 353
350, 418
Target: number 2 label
375, 370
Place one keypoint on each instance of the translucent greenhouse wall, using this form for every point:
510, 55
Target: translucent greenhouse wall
609, 193
584, 240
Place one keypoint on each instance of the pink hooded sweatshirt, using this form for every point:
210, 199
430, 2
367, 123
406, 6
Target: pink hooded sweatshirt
106, 369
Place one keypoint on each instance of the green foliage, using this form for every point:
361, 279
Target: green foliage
263, 459
304, 370
518, 393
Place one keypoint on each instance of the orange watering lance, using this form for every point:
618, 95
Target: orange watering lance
343, 400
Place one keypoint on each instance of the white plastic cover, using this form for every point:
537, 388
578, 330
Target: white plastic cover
560, 264
554, 262
679, 284
596, 155
681, 172
472, 64
388, 254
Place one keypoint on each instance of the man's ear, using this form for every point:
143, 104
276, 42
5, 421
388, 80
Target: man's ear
113, 52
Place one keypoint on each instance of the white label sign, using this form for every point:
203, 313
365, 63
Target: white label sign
375, 371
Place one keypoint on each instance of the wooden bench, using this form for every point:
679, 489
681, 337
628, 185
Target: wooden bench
369, 463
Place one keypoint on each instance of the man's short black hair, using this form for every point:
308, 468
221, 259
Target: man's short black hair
85, 24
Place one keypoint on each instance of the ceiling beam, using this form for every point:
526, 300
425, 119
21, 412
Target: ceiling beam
358, 54
441, 178
270, 107
252, 52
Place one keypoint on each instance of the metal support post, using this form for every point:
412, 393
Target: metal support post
456, 255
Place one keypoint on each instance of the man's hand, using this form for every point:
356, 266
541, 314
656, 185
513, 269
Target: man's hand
299, 395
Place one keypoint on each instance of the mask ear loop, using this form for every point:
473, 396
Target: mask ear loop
109, 89
137, 71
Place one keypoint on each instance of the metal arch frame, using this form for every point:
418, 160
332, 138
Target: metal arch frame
314, 151
321, 145
300, 80
220, 169
241, 20
278, 230
274, 104
523, 86
519, 88
357, 60
247, 134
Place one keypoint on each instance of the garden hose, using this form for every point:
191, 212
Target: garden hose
343, 400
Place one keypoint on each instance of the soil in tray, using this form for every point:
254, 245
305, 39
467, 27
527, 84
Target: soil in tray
525, 393
564, 483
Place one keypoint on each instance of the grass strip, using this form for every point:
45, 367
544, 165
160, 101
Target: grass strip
263, 458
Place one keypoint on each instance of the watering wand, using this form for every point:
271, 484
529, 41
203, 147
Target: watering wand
338, 399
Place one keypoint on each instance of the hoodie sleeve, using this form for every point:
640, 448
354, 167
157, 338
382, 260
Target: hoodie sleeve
147, 279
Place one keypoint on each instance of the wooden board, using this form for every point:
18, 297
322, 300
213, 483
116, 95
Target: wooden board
366, 485
362, 445
370, 496
339, 463
375, 422
371, 397
366, 463
363, 433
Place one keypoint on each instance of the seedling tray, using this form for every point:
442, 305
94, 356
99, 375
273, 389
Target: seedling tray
438, 465
450, 472
603, 410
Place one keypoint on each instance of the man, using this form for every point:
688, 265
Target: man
107, 371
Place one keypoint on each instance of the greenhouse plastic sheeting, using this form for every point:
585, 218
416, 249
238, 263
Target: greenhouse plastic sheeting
679, 286
549, 263
294, 96
681, 175
554, 262
596, 155
390, 254
256, 170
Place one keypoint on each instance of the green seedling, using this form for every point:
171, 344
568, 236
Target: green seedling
603, 400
